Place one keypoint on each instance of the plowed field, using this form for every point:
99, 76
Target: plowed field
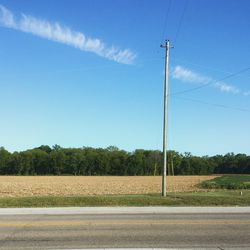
20, 186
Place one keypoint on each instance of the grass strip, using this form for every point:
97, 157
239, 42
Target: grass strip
222, 198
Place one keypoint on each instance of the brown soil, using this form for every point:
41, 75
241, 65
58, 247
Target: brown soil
20, 186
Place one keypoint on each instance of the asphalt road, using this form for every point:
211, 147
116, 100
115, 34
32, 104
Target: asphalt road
164, 230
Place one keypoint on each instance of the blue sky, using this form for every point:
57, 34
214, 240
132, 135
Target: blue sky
90, 73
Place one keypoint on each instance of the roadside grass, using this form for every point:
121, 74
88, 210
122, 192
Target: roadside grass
221, 198
233, 182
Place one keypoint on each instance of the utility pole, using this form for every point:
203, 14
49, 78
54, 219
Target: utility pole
165, 119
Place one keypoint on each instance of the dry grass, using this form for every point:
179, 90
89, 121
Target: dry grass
21, 186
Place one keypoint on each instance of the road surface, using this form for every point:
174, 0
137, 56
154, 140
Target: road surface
216, 230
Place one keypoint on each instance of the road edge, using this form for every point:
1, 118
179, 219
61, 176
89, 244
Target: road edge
122, 210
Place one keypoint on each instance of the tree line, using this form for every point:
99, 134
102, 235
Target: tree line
45, 160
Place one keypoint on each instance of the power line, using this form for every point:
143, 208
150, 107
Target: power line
165, 21
213, 104
201, 66
210, 83
180, 22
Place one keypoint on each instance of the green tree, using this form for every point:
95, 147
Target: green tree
4, 158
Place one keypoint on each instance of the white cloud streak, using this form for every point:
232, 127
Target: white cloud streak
186, 75
224, 87
54, 31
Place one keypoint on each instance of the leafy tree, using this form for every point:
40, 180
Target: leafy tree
57, 158
14, 164
44, 160
4, 158
26, 163
40, 162
45, 148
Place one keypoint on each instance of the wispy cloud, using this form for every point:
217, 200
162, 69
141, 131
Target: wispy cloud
54, 31
186, 75
224, 87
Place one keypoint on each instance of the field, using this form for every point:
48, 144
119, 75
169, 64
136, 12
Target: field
37, 186
228, 182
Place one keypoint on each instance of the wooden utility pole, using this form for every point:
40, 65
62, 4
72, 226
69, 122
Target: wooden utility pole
165, 119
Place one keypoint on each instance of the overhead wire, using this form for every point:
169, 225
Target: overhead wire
176, 35
210, 82
203, 66
175, 95
213, 104
180, 22
166, 21
200, 66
